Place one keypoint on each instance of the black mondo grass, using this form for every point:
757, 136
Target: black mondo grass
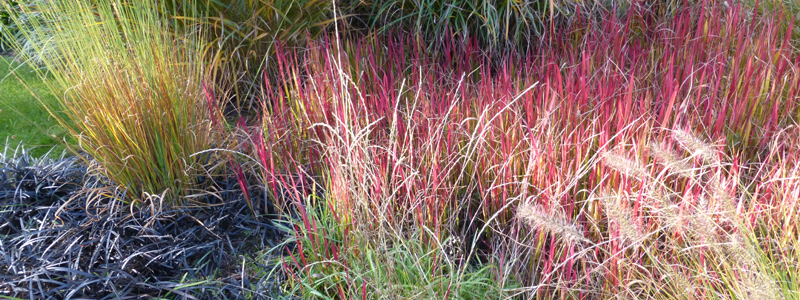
38, 178
65, 235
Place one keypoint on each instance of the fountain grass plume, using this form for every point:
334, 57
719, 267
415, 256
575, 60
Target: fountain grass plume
552, 221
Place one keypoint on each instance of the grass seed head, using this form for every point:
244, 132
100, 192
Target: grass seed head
625, 165
670, 160
552, 221
695, 145
618, 213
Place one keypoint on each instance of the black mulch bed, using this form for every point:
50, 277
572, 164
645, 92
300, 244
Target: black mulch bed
58, 241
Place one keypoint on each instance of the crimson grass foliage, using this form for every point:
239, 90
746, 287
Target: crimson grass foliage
592, 126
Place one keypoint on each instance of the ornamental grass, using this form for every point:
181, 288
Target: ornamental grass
627, 157
131, 94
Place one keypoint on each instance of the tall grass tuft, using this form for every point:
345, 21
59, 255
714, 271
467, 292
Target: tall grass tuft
130, 91
630, 154
242, 36
493, 23
630, 158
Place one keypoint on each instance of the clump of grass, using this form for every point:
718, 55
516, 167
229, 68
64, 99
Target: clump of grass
243, 35
495, 23
712, 249
402, 141
336, 261
129, 91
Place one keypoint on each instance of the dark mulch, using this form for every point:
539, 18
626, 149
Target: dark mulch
63, 235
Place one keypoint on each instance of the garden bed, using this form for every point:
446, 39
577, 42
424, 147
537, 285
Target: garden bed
64, 233
635, 151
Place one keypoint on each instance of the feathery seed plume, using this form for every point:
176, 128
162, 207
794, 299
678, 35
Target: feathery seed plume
621, 215
551, 221
625, 165
695, 145
670, 160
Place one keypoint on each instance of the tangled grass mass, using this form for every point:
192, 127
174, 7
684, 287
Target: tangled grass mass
389, 150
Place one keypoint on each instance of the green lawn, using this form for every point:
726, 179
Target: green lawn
23, 119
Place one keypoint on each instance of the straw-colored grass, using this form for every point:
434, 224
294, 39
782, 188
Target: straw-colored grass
129, 87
